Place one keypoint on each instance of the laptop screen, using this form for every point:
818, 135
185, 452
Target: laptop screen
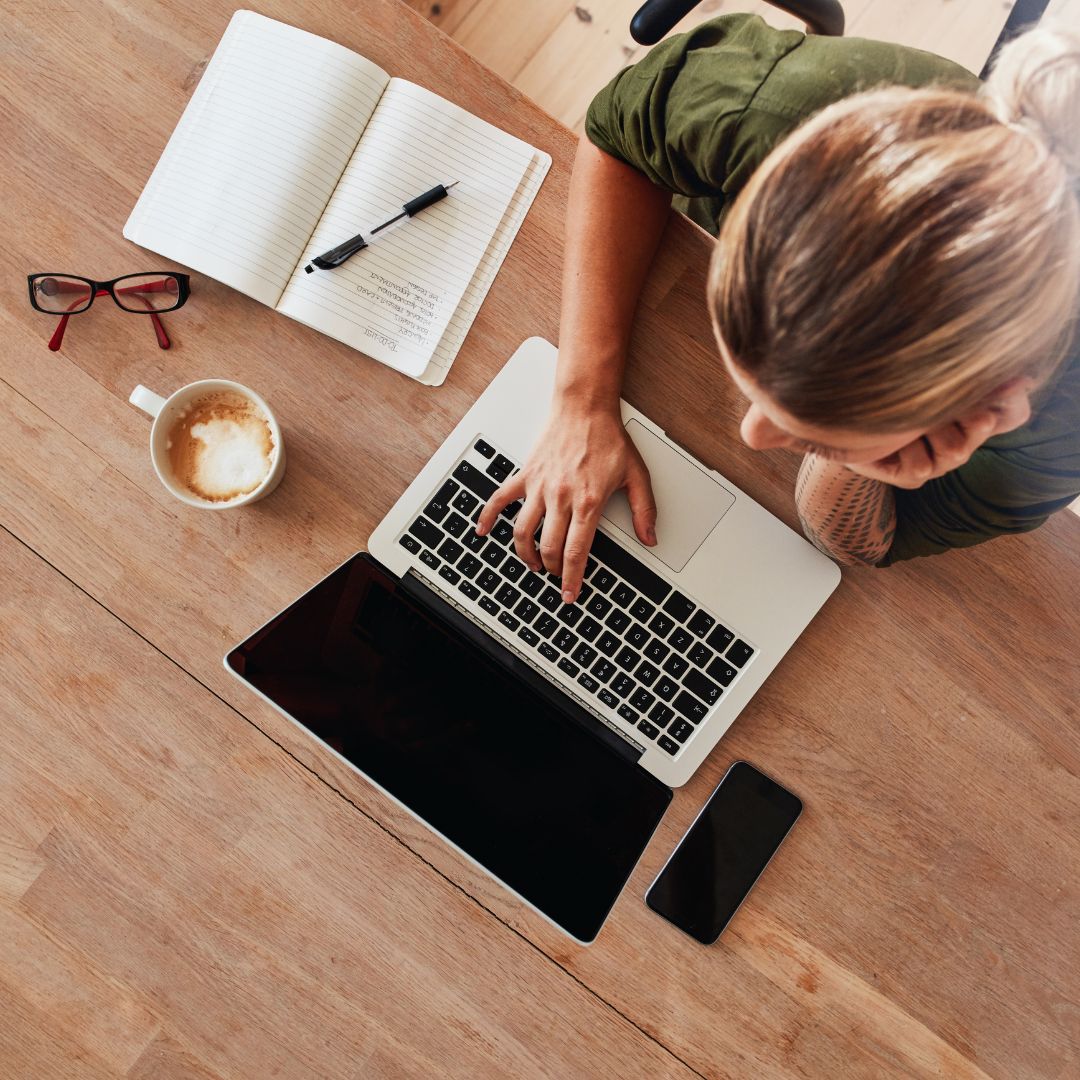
540, 802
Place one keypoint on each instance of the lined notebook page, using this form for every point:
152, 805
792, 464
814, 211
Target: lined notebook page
395, 299
256, 155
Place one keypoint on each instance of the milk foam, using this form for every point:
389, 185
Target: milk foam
221, 447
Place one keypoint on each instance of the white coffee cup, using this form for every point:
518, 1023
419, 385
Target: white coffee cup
167, 411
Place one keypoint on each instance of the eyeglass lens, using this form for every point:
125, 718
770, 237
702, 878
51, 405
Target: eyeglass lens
147, 292
63, 295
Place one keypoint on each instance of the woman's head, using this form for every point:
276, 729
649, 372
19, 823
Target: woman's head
909, 256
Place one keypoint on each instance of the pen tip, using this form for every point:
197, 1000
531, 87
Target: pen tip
451, 184
309, 269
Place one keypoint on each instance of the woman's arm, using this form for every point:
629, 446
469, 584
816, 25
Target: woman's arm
851, 518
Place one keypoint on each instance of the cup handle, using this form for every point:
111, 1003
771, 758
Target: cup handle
146, 400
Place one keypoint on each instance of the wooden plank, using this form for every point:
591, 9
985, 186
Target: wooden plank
204, 896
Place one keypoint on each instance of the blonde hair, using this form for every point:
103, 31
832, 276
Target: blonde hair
907, 251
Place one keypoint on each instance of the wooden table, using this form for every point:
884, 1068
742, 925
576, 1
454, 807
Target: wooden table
191, 888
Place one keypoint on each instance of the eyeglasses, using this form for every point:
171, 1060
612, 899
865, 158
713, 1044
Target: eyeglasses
143, 294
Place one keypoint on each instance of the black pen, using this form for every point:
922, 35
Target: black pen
337, 255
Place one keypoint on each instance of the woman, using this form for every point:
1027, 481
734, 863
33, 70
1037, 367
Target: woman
894, 289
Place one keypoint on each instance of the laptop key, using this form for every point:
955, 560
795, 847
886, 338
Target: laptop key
531, 584
449, 573
502, 531
584, 654
439, 506
661, 625
528, 636
617, 621
656, 650
627, 659
545, 626
690, 707
637, 635
428, 558
510, 510
526, 610
565, 640
622, 685
583, 594
489, 581
680, 639
721, 671
451, 550
469, 565
550, 599
632, 571
484, 449
512, 569
609, 699
508, 620
465, 501
680, 730
590, 566
720, 638
608, 643
589, 628
603, 670
646, 674
628, 714
665, 689
739, 653
701, 623
705, 689
500, 468
547, 652
469, 589
569, 668
493, 554
602, 579
700, 655
410, 543
623, 595
428, 534
676, 665
455, 524
667, 744
474, 542
489, 605
661, 714
475, 480
648, 730
508, 596
570, 614
642, 609
642, 699
679, 607
589, 683
598, 606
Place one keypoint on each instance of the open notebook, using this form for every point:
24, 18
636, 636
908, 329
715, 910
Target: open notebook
292, 144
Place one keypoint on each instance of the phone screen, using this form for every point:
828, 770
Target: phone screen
723, 852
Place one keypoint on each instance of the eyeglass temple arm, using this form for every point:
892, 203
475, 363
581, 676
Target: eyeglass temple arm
61, 326
159, 329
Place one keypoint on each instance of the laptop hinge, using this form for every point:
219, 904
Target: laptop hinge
454, 617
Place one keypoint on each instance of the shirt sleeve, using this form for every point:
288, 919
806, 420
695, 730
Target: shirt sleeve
675, 115
1011, 484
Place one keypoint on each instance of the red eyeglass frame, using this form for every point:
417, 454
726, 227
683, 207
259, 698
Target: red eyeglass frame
108, 288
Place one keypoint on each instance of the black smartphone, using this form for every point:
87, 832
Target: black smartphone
723, 852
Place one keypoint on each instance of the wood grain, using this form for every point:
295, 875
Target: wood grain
921, 920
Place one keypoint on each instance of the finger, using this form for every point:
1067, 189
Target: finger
950, 447
883, 470
916, 465
553, 537
525, 526
579, 538
514, 488
639, 493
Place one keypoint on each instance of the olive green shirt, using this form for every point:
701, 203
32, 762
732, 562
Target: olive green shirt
700, 112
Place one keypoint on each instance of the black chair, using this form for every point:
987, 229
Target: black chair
656, 17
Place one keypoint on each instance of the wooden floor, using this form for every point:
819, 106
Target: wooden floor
560, 53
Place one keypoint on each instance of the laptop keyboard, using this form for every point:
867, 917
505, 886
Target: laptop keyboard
642, 654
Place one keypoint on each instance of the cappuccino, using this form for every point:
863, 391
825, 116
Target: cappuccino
220, 446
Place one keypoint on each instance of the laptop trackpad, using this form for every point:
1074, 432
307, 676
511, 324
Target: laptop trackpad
689, 502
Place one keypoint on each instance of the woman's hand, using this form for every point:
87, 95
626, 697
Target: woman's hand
949, 446
581, 458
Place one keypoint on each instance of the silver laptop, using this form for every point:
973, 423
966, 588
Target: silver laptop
540, 740
666, 644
